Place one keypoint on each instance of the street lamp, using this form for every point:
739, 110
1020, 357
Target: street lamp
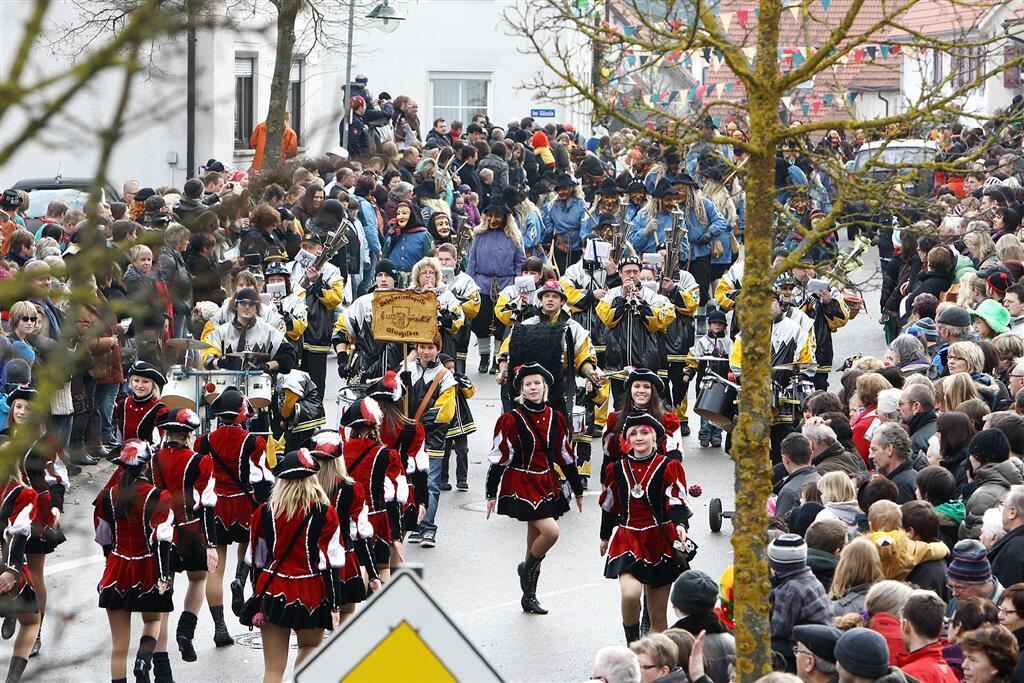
389, 18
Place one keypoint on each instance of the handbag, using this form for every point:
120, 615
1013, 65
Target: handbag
253, 605
717, 250
734, 244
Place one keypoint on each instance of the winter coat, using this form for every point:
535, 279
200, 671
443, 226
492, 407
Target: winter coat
991, 483
931, 576
172, 271
904, 476
888, 627
927, 665
991, 391
500, 168
930, 283
852, 602
789, 493
837, 459
408, 247
493, 255
719, 644
823, 565
860, 424
1007, 557
846, 512
921, 428
797, 598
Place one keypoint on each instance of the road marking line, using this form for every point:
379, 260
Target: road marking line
73, 564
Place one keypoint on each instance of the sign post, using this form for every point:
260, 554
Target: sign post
401, 634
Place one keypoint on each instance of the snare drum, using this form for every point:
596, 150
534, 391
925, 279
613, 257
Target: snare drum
218, 383
349, 395
579, 420
259, 390
717, 402
180, 390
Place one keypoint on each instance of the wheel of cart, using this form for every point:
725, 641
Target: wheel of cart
716, 514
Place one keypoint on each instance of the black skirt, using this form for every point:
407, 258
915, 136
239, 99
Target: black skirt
353, 590
517, 508
45, 541
22, 602
189, 551
134, 601
293, 615
236, 534
380, 551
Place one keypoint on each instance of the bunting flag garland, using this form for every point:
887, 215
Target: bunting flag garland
726, 18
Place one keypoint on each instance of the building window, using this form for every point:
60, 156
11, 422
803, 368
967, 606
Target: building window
245, 100
458, 98
294, 105
970, 67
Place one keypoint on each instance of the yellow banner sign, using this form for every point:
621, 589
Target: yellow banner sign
404, 316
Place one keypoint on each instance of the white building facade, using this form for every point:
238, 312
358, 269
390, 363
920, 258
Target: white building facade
455, 57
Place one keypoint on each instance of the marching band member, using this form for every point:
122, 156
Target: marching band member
728, 290
244, 279
43, 471
290, 305
651, 225
643, 391
828, 312
426, 276
467, 293
529, 442
295, 584
684, 294
378, 469
586, 282
353, 329
134, 524
298, 409
644, 512
322, 292
563, 217
241, 483
188, 478
136, 413
714, 343
790, 344
637, 192
432, 391
606, 204
459, 429
513, 305
348, 497
634, 316
247, 332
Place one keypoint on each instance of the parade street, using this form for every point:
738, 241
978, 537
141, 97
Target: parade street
471, 572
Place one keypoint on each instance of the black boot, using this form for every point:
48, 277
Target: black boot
221, 637
632, 633
645, 618
17, 668
7, 630
144, 659
238, 588
485, 363
185, 633
529, 601
523, 583
162, 667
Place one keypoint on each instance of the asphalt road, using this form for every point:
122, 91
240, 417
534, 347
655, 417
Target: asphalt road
471, 573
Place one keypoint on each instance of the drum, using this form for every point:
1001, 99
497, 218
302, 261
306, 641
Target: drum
217, 384
855, 303
579, 420
180, 390
349, 395
259, 390
717, 402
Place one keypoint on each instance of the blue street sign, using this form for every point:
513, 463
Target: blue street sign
542, 113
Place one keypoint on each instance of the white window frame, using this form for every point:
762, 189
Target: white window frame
253, 58
457, 76
296, 81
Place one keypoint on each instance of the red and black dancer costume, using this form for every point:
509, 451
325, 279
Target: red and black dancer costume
137, 544
188, 477
135, 418
643, 500
409, 440
379, 471
241, 482
295, 559
530, 442
349, 500
18, 508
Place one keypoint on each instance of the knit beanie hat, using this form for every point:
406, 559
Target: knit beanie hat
694, 592
970, 563
863, 653
787, 552
988, 446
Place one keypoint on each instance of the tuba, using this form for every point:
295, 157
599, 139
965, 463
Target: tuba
336, 241
674, 244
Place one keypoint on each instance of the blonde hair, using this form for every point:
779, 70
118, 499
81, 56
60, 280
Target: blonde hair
859, 563
885, 515
981, 241
869, 385
138, 251
1009, 248
331, 472
511, 229
867, 364
418, 268
292, 497
971, 353
836, 487
20, 308
956, 389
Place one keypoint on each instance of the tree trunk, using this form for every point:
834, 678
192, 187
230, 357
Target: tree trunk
751, 438
287, 11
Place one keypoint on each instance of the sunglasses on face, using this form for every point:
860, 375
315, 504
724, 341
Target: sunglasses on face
29, 319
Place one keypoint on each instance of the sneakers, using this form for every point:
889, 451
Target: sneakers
429, 539
462, 486
716, 443
704, 443
414, 537
446, 486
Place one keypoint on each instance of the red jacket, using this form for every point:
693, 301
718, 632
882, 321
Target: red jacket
860, 425
889, 627
927, 665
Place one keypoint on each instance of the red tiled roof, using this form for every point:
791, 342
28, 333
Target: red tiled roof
940, 17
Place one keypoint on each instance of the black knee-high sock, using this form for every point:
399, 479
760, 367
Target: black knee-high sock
16, 669
162, 668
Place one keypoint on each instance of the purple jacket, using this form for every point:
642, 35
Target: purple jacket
494, 255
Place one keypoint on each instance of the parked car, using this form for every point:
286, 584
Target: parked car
899, 161
72, 191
